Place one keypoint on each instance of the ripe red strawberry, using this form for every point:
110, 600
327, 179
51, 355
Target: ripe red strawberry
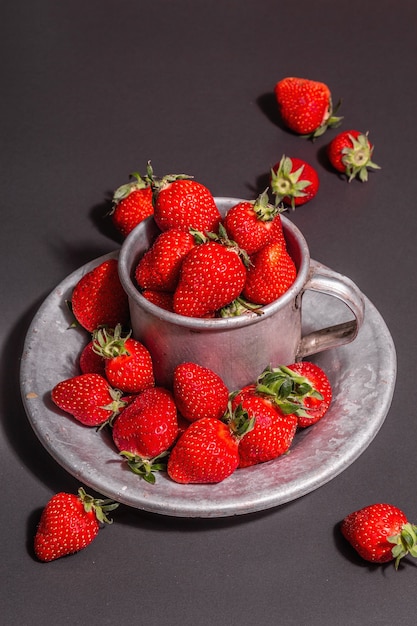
163, 299
132, 203
294, 182
270, 275
207, 452
199, 392
128, 364
305, 106
98, 298
301, 388
88, 398
212, 275
272, 433
90, 362
70, 523
183, 203
254, 223
350, 152
145, 430
380, 533
159, 268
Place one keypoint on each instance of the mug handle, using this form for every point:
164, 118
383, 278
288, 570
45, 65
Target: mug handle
324, 280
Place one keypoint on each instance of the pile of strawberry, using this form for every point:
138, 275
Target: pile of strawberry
201, 263
196, 430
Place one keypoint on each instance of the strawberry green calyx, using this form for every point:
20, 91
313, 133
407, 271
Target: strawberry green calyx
158, 184
286, 183
139, 182
100, 507
264, 210
110, 343
115, 407
405, 542
331, 120
358, 158
238, 419
240, 306
223, 238
287, 389
145, 468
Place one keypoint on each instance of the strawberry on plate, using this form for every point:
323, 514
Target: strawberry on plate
350, 152
254, 223
294, 181
212, 276
380, 533
159, 268
145, 430
98, 298
207, 452
90, 362
301, 388
69, 523
132, 203
199, 392
128, 363
305, 106
272, 433
270, 274
88, 398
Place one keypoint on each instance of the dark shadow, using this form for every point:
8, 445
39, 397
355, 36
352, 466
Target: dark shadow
269, 107
101, 218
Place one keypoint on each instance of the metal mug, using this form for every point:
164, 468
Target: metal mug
238, 348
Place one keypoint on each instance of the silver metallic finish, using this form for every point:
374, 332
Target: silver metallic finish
362, 375
238, 348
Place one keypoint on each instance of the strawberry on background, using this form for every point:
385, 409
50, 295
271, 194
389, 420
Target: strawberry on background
305, 106
294, 181
380, 533
350, 152
69, 523
132, 203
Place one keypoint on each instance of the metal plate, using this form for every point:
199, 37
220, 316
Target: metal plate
362, 375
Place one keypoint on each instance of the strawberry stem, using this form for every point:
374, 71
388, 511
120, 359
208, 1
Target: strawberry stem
99, 506
287, 389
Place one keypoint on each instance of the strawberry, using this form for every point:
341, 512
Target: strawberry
380, 533
69, 523
128, 364
270, 275
132, 203
294, 181
199, 392
272, 433
98, 298
163, 299
207, 452
183, 203
145, 431
253, 224
350, 152
301, 388
90, 362
305, 106
88, 398
212, 275
159, 268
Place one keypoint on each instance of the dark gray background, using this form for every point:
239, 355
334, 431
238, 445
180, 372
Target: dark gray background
91, 91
